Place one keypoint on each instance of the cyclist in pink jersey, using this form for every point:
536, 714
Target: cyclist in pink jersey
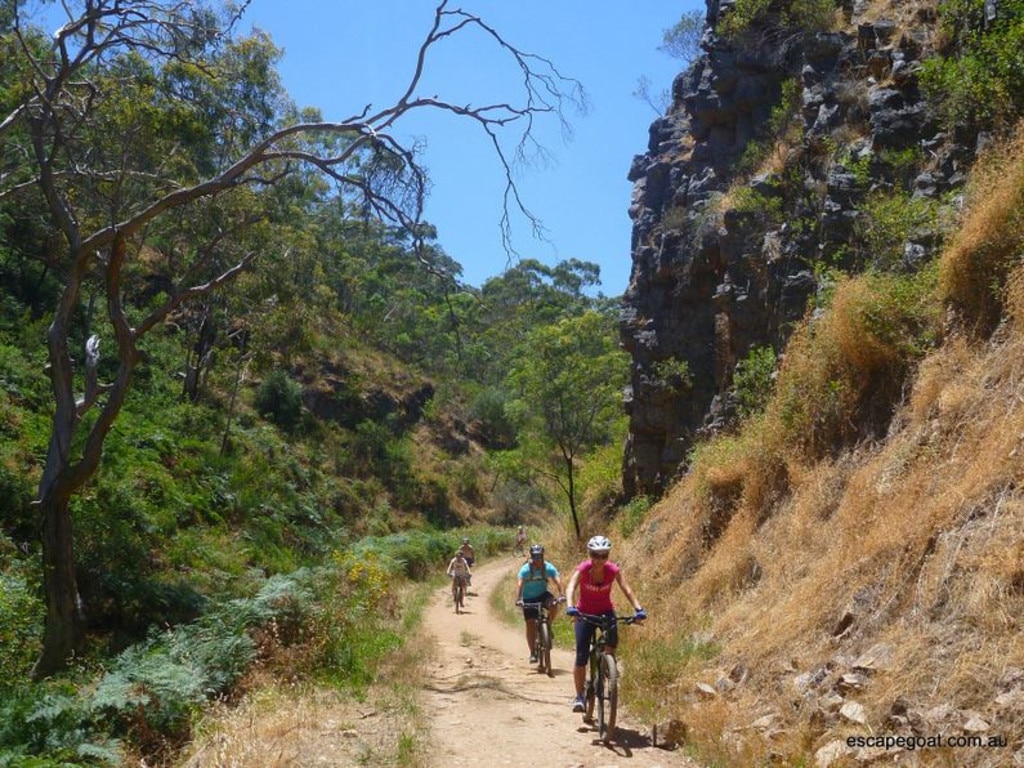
595, 577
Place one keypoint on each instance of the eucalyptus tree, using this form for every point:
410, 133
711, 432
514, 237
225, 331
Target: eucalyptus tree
527, 295
569, 376
137, 119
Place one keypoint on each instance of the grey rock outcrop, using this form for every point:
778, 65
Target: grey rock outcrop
725, 255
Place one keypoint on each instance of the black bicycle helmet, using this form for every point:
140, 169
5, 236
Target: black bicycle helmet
536, 549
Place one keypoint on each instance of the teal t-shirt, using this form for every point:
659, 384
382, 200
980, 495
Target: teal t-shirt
535, 580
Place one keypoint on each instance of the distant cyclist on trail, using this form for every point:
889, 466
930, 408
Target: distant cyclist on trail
595, 577
467, 552
459, 570
533, 587
520, 542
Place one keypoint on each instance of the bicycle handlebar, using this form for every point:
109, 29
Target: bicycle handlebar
539, 603
604, 622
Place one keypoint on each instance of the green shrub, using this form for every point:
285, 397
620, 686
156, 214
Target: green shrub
631, 515
21, 621
416, 554
978, 82
767, 209
886, 222
15, 497
488, 408
742, 15
51, 726
118, 578
280, 400
358, 627
804, 16
675, 373
753, 382
152, 690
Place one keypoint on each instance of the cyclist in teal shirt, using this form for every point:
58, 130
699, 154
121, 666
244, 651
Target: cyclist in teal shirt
534, 578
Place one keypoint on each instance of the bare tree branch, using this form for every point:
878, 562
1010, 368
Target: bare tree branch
64, 143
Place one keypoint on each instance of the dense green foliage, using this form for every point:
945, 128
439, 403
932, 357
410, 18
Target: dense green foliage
291, 449
794, 16
978, 81
569, 381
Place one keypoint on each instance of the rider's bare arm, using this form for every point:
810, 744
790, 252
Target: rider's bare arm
627, 591
570, 592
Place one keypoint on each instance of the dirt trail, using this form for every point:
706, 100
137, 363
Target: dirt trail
488, 705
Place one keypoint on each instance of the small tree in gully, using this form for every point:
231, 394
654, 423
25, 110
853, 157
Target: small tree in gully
569, 378
139, 115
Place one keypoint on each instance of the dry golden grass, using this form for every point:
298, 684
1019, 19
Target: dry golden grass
908, 548
919, 540
989, 240
280, 725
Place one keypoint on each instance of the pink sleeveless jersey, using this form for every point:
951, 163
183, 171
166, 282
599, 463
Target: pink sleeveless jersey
596, 598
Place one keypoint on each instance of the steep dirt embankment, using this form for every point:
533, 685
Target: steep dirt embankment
486, 703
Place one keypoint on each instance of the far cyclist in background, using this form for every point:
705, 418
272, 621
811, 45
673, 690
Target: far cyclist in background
467, 552
520, 548
595, 577
459, 572
533, 587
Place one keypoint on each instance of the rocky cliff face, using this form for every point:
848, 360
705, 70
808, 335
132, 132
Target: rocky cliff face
753, 188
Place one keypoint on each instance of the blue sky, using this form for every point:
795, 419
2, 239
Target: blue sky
340, 55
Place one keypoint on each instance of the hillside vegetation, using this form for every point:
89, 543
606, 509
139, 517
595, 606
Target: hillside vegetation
247, 404
835, 572
301, 451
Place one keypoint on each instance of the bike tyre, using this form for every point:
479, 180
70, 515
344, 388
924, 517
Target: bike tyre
609, 703
588, 714
544, 644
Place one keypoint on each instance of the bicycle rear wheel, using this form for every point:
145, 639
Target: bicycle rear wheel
607, 697
544, 646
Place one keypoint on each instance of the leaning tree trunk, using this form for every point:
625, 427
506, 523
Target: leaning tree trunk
67, 471
65, 621
571, 493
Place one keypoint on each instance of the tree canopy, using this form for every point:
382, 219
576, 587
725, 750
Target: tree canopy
569, 380
145, 147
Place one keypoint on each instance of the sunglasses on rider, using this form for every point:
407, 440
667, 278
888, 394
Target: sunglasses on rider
598, 555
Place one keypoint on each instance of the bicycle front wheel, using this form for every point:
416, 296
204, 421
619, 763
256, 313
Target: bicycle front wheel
607, 697
590, 693
544, 645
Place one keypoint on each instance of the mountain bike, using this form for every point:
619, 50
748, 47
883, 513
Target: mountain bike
602, 686
459, 591
544, 639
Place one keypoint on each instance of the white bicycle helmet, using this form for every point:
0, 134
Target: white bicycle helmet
599, 544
